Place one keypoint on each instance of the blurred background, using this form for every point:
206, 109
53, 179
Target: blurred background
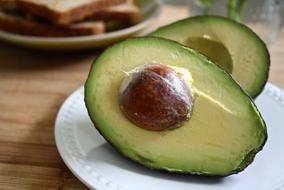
265, 17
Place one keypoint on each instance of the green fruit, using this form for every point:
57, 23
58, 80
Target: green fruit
220, 136
231, 45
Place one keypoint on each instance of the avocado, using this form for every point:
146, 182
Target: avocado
231, 45
220, 130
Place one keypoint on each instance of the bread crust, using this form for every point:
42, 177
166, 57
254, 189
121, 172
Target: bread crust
67, 17
24, 26
130, 15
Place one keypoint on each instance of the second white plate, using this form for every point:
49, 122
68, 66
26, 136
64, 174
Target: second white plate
150, 9
100, 167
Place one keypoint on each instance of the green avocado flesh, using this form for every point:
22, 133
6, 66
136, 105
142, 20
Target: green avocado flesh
232, 46
222, 136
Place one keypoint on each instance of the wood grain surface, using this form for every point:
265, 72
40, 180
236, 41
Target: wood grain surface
33, 85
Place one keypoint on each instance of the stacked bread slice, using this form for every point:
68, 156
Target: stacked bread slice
62, 18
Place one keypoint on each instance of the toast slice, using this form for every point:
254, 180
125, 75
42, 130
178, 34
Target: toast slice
16, 22
8, 4
61, 12
127, 13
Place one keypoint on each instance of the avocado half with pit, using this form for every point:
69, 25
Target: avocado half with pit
231, 45
168, 107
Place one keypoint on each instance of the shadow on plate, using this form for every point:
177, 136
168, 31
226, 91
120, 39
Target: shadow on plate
106, 154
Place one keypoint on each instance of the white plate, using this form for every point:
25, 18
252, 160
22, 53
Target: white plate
100, 167
150, 9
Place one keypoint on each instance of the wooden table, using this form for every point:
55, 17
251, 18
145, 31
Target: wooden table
33, 85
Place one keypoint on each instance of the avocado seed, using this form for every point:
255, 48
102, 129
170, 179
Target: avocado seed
155, 97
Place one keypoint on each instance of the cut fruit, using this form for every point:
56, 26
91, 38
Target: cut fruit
222, 135
231, 45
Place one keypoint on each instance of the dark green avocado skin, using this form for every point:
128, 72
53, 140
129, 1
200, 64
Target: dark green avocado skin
242, 27
142, 161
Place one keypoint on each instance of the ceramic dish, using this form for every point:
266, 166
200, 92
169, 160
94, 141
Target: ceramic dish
100, 167
150, 9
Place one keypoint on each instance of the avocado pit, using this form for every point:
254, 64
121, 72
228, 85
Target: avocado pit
155, 97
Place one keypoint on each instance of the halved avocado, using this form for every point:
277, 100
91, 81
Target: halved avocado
222, 135
231, 45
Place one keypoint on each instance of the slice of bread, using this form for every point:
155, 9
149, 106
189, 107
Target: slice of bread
62, 12
15, 22
8, 4
127, 12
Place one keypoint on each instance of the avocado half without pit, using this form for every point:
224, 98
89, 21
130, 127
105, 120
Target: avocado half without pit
168, 107
231, 45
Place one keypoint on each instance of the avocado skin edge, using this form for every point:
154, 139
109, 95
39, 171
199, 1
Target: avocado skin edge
243, 27
248, 158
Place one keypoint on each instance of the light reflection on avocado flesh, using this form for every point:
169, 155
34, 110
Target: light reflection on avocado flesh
214, 50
